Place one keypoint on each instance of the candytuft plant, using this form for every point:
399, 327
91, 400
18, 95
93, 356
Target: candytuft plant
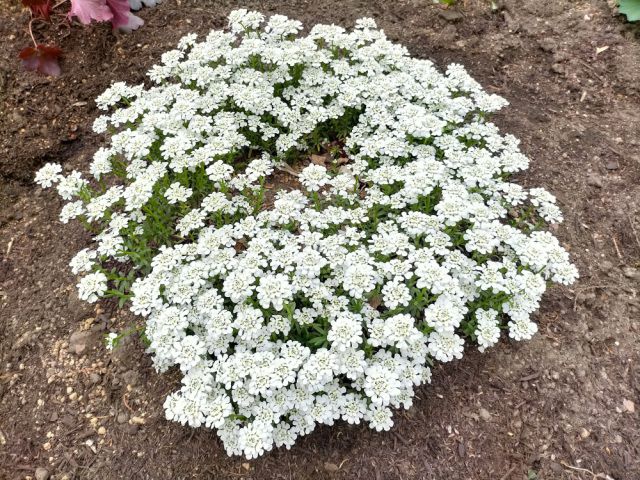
308, 224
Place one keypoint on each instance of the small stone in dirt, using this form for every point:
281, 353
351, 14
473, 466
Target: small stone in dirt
606, 266
594, 180
462, 451
628, 406
79, 340
511, 22
42, 474
612, 165
26, 338
131, 377
132, 429
331, 467
137, 421
484, 414
450, 15
548, 44
78, 308
632, 273
556, 468
122, 417
68, 421
95, 378
584, 433
102, 431
53, 417
3, 439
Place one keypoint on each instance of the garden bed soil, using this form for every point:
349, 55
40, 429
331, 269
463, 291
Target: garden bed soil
565, 405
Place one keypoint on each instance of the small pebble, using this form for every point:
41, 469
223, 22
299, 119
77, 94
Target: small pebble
132, 429
42, 474
632, 273
331, 467
594, 180
137, 421
450, 15
612, 165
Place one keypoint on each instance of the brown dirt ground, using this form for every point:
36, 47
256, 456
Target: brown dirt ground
562, 406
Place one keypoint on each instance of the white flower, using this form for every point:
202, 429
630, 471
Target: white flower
345, 331
101, 164
353, 408
445, 346
110, 340
359, 279
48, 175
314, 177
238, 286
445, 314
274, 290
488, 329
521, 327
92, 286
70, 185
191, 221
379, 418
71, 210
177, 193
83, 261
396, 294
381, 385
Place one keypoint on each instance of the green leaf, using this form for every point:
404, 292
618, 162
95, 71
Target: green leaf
631, 8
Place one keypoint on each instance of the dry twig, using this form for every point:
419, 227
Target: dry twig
594, 476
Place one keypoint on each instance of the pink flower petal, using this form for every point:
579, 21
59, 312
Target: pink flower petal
87, 10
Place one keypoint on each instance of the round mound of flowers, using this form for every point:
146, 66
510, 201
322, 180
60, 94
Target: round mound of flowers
308, 224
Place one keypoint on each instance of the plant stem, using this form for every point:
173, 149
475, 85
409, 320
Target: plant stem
58, 4
35, 44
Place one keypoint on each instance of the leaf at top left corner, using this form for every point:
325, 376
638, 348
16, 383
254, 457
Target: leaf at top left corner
41, 58
39, 8
630, 8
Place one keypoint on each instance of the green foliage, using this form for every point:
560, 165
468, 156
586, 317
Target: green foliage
630, 8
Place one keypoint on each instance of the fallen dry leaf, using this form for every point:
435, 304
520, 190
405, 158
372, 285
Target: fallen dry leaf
319, 159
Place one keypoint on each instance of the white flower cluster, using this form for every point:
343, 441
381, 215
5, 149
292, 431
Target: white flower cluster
329, 301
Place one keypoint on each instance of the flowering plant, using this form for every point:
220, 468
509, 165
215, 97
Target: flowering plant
398, 240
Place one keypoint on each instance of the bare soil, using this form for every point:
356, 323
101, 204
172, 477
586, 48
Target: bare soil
565, 405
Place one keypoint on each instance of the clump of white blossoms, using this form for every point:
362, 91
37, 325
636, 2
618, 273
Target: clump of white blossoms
331, 298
